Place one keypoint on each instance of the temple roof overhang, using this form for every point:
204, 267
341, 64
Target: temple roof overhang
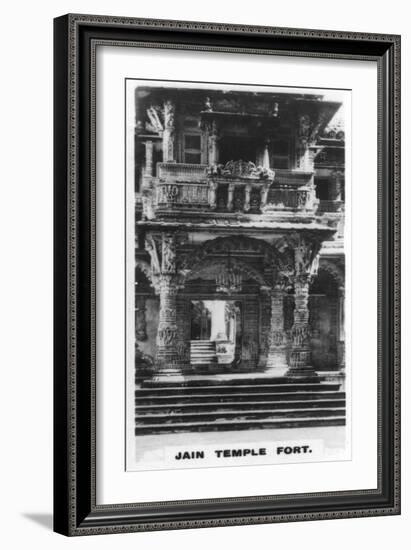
270, 106
261, 230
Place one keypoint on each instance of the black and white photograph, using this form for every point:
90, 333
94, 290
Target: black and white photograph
238, 275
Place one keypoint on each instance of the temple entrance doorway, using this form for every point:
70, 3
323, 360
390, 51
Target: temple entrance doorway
216, 334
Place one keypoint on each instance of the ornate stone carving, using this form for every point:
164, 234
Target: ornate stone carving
300, 270
168, 132
247, 271
153, 114
300, 353
213, 194
148, 168
166, 335
213, 138
277, 338
151, 247
335, 128
337, 178
300, 335
208, 106
167, 193
224, 245
304, 130
168, 253
306, 255
167, 358
169, 113
145, 268
239, 199
244, 169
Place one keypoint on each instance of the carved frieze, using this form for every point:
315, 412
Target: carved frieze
242, 169
167, 335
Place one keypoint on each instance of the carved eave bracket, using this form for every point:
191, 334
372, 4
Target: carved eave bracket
162, 249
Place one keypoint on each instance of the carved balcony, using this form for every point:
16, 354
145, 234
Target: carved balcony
237, 187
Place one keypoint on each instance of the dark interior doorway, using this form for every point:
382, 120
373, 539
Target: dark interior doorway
237, 148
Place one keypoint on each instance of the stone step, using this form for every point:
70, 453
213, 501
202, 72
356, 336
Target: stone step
201, 345
230, 388
144, 399
237, 406
241, 415
203, 359
239, 424
202, 381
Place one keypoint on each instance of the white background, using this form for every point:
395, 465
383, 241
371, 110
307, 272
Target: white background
26, 299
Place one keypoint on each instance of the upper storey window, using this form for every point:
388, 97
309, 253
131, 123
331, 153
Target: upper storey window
191, 142
280, 157
192, 148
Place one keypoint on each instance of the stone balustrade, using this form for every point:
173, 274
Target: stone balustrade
181, 171
177, 195
292, 199
196, 187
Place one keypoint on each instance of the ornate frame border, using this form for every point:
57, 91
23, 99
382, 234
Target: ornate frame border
75, 43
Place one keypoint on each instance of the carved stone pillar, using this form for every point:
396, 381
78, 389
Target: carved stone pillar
148, 168
277, 338
341, 329
167, 359
307, 159
265, 324
300, 353
140, 318
168, 132
230, 196
264, 195
247, 198
171, 354
306, 258
213, 137
305, 152
212, 197
337, 185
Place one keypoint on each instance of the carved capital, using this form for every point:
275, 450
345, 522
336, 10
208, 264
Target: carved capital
168, 261
169, 114
152, 249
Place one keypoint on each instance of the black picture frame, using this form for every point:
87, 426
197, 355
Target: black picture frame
75, 509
